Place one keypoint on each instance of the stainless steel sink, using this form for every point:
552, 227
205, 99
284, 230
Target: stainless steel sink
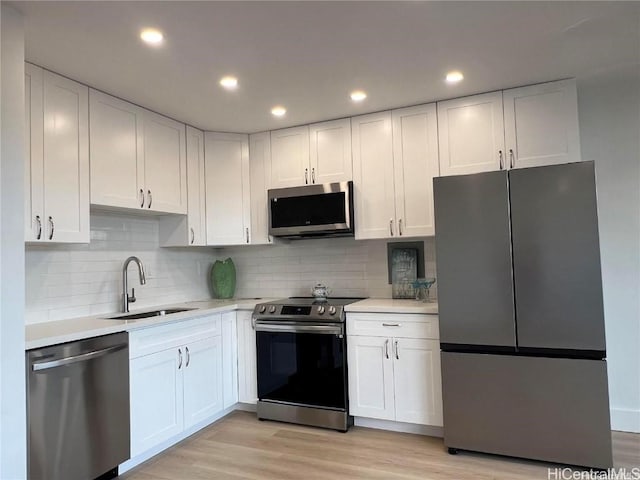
154, 313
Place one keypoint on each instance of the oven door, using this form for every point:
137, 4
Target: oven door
302, 364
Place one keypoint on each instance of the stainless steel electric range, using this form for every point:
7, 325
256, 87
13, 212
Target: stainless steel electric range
302, 361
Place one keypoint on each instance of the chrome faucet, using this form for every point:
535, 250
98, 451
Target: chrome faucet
126, 298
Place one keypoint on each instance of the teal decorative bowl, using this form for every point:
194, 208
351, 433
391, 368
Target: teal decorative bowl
223, 279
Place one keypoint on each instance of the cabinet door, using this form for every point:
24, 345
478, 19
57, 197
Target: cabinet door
165, 164
156, 399
116, 151
290, 157
34, 167
330, 151
415, 160
66, 160
229, 359
370, 377
259, 163
418, 387
247, 378
196, 218
471, 134
227, 183
202, 370
541, 124
373, 176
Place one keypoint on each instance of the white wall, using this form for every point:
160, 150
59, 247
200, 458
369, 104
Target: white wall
66, 281
609, 106
13, 443
347, 266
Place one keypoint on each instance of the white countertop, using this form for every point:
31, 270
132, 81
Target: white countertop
51, 333
389, 305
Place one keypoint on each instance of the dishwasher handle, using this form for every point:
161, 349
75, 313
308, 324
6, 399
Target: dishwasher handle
83, 357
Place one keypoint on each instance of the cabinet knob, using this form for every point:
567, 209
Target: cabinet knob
400, 227
53, 227
150, 198
386, 348
141, 198
193, 235
313, 175
306, 176
391, 226
511, 158
247, 233
179, 358
500, 157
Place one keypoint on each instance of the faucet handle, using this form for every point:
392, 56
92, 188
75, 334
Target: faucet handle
132, 297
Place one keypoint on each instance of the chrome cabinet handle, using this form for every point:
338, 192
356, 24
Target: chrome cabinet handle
39, 234
511, 157
150, 198
390, 324
386, 348
397, 352
306, 176
391, 226
193, 235
53, 227
186, 349
500, 156
247, 233
179, 358
313, 175
142, 196
400, 227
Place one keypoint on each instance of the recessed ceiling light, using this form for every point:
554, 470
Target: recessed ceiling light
358, 96
278, 111
230, 83
152, 36
454, 77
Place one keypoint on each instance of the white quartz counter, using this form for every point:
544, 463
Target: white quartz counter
61, 331
388, 305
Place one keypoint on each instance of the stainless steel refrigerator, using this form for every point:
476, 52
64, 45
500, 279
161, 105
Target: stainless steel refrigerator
522, 337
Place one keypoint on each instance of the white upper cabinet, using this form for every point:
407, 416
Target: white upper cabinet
138, 158
178, 230
290, 157
57, 205
395, 157
521, 127
471, 134
541, 124
259, 164
165, 164
117, 152
415, 159
330, 151
373, 176
227, 185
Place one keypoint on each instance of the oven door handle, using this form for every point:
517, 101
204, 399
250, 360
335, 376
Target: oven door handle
298, 328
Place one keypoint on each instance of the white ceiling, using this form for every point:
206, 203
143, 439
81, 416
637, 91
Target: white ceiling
308, 56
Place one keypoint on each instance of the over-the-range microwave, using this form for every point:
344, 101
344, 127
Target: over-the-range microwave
312, 210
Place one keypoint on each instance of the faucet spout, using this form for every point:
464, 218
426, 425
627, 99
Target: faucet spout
126, 298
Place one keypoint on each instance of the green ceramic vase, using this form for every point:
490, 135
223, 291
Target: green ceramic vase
223, 279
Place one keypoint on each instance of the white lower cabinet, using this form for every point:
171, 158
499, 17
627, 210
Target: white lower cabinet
247, 375
393, 377
176, 379
229, 359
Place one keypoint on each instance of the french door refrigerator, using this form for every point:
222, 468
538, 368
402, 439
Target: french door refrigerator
524, 369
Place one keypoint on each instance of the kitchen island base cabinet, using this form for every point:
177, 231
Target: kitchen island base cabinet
394, 368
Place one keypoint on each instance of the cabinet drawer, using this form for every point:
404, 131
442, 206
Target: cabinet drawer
389, 325
157, 338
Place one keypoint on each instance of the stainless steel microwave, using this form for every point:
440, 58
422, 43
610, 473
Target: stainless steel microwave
312, 210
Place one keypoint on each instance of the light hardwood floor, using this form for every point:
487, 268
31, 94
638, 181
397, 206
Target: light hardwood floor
241, 447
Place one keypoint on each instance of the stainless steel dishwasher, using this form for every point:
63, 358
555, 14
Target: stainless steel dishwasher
78, 409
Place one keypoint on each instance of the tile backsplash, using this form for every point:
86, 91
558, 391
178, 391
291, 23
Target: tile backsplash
66, 281
347, 266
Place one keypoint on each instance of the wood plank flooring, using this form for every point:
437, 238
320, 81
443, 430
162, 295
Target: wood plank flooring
241, 447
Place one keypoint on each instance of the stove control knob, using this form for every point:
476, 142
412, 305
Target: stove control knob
332, 310
272, 309
262, 308
320, 309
